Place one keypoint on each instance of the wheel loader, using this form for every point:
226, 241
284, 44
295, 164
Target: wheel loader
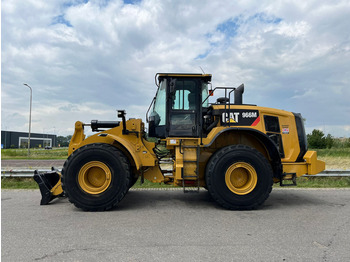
234, 150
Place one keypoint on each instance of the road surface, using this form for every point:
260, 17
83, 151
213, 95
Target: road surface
31, 164
158, 225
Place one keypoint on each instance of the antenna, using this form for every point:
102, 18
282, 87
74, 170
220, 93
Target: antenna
202, 70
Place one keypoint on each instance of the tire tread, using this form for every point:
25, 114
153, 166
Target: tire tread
126, 166
210, 169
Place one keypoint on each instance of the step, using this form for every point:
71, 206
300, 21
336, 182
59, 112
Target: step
288, 177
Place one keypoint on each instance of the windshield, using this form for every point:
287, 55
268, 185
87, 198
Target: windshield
159, 104
205, 94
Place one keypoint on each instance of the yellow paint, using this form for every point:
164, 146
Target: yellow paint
57, 189
314, 166
141, 151
143, 159
94, 177
290, 141
185, 75
311, 166
77, 137
241, 178
132, 148
154, 174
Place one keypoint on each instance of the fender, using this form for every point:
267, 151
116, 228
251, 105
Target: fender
128, 147
265, 140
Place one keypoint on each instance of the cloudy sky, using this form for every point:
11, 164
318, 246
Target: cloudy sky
85, 59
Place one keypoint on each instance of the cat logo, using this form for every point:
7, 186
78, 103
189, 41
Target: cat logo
240, 117
233, 118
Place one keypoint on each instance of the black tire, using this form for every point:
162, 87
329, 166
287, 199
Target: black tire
133, 180
258, 177
91, 163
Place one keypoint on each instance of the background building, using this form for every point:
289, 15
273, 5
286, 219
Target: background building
13, 139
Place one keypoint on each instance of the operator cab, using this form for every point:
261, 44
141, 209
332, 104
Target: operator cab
178, 105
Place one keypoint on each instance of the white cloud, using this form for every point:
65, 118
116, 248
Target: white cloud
84, 59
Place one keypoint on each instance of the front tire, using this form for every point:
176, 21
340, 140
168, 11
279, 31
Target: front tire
239, 177
96, 177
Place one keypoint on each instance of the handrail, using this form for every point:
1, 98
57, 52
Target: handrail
218, 87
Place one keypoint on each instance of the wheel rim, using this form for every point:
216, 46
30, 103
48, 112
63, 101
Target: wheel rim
241, 178
94, 177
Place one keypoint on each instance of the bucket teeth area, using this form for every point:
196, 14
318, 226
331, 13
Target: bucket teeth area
48, 183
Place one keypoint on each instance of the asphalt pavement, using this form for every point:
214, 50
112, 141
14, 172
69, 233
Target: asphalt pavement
163, 225
31, 164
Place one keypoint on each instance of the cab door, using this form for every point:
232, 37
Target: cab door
183, 107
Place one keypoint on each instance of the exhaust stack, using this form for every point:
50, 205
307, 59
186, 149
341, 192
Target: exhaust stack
239, 95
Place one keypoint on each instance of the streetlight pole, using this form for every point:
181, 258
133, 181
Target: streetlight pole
30, 117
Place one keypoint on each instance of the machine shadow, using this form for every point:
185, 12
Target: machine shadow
148, 199
152, 199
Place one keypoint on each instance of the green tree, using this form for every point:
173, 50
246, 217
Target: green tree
329, 141
317, 139
347, 142
63, 141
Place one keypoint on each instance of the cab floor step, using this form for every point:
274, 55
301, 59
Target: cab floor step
291, 177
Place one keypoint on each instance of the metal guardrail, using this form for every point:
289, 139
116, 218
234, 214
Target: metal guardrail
30, 173
22, 172
331, 173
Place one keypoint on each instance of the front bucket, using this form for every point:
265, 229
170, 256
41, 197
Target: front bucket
49, 185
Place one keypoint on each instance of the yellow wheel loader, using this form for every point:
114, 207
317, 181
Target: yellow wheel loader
234, 150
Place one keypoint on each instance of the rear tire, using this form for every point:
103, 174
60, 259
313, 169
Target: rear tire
239, 177
96, 177
133, 181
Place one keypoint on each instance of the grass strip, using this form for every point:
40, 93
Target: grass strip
333, 152
323, 182
35, 153
18, 183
